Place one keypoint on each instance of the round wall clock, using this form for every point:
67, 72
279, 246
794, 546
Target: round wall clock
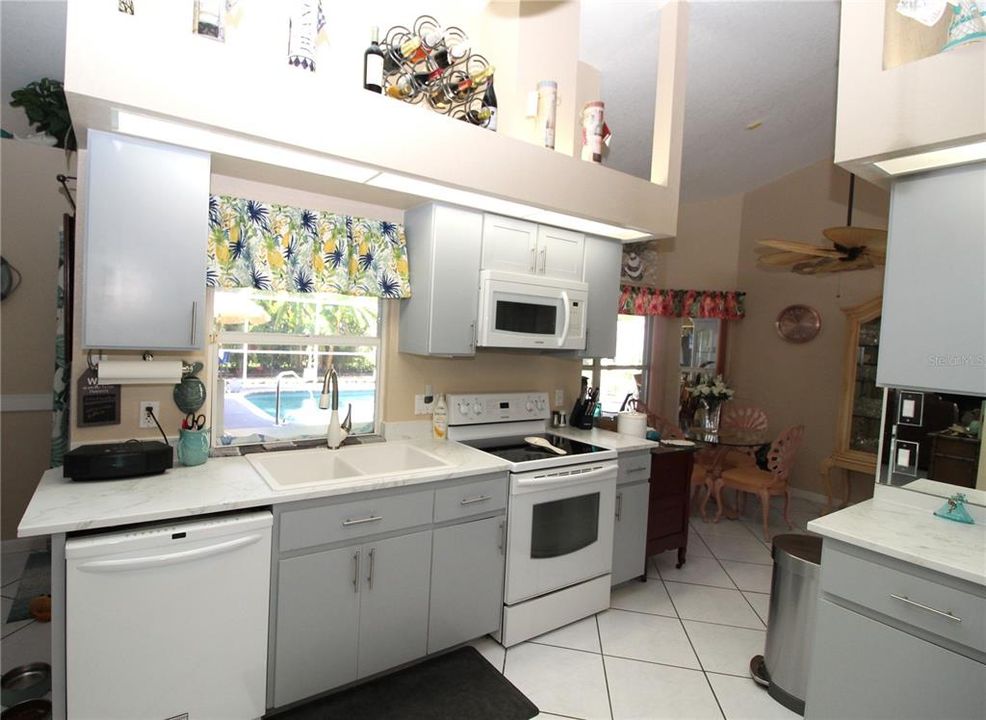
798, 323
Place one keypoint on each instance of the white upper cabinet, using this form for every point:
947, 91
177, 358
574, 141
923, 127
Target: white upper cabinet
560, 253
146, 228
524, 247
509, 244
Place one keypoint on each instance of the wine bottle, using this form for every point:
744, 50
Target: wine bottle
477, 117
477, 78
373, 64
489, 103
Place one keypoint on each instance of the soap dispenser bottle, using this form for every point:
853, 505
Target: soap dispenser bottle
439, 419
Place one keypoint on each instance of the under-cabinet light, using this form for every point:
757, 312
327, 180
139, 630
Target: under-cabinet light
467, 198
945, 157
223, 144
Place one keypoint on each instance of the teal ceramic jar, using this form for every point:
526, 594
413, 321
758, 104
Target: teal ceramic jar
193, 446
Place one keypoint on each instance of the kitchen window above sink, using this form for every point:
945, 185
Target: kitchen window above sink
273, 351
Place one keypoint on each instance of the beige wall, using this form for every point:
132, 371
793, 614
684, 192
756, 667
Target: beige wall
407, 375
800, 384
32, 209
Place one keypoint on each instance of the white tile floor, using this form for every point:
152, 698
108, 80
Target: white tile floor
677, 646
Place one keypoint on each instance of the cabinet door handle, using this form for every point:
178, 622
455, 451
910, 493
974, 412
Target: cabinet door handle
947, 615
502, 545
356, 571
472, 335
637, 469
476, 499
533, 260
191, 335
619, 506
350, 521
369, 576
544, 259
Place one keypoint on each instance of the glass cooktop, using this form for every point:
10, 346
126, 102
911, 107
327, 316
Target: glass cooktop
516, 450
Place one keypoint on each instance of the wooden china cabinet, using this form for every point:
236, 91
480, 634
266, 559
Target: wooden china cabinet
858, 430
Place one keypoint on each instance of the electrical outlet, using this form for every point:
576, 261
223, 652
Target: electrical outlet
145, 419
421, 407
559, 398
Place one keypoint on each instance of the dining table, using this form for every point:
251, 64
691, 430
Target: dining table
718, 443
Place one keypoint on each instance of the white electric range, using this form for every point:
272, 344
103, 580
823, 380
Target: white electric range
560, 511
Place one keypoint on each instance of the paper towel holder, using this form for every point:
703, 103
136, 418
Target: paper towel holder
157, 372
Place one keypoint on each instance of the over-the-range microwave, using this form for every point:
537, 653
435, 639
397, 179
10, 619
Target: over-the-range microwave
530, 311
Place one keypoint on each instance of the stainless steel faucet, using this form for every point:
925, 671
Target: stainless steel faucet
330, 397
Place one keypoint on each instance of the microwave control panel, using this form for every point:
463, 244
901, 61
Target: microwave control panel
576, 326
476, 408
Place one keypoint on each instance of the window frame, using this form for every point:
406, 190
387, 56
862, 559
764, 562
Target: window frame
219, 338
595, 365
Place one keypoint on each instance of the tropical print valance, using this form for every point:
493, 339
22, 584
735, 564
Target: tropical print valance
282, 248
717, 304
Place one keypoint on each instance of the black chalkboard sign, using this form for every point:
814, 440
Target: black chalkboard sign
98, 404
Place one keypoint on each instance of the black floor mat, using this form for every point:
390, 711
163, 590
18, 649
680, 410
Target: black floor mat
458, 685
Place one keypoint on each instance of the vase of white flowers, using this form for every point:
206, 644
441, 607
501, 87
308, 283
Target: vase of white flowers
710, 393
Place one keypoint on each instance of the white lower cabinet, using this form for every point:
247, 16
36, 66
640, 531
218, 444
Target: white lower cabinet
393, 604
346, 614
466, 582
397, 588
317, 623
630, 532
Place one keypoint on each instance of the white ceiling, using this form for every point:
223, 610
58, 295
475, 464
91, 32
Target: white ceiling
748, 60
772, 61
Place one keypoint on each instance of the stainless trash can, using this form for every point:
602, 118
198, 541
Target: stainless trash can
783, 667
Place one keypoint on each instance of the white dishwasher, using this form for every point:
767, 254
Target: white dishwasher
169, 621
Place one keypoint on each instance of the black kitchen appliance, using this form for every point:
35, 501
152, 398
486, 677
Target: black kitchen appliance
115, 461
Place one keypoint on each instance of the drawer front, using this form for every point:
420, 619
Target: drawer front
351, 520
946, 611
471, 498
634, 467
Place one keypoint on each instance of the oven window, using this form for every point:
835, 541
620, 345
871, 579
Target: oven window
527, 318
563, 526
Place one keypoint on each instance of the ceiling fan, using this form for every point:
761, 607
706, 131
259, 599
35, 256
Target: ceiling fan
852, 248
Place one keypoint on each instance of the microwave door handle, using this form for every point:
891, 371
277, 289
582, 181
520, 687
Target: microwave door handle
568, 319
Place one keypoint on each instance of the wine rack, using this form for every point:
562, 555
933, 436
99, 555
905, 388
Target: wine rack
435, 65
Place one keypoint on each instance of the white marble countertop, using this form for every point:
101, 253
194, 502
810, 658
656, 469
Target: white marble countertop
606, 439
221, 484
912, 534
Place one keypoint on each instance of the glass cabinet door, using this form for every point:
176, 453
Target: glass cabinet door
867, 401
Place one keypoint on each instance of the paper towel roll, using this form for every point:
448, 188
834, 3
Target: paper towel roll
632, 423
139, 372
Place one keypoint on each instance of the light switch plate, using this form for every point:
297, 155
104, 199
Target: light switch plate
905, 457
910, 408
559, 398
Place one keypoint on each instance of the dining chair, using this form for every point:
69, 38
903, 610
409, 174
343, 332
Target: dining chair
765, 483
701, 480
742, 417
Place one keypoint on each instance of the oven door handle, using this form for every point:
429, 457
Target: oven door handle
563, 338
539, 481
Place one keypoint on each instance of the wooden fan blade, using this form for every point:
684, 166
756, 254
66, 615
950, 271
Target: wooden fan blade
799, 247
780, 259
826, 265
854, 236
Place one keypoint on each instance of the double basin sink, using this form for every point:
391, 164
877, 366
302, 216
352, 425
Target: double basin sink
320, 466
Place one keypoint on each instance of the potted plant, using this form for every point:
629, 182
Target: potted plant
44, 102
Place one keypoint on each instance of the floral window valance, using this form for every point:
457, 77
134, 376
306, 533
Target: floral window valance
283, 248
717, 304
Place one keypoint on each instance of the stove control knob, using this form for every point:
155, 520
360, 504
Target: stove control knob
530, 406
478, 408
464, 407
